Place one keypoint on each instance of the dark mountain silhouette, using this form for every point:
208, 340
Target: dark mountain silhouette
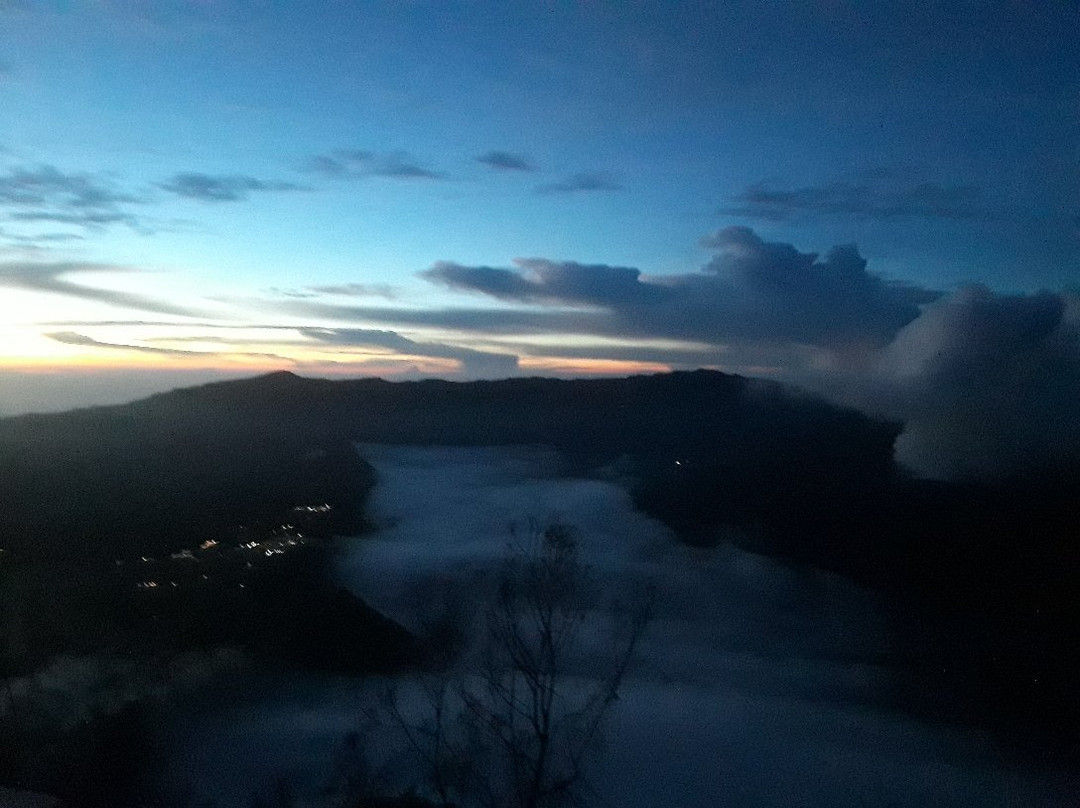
206, 458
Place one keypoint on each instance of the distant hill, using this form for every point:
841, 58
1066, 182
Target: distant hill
128, 479
591, 419
206, 457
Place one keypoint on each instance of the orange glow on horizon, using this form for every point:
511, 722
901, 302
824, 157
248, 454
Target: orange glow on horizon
587, 367
91, 362
389, 366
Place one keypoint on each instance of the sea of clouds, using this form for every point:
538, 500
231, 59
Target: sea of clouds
757, 683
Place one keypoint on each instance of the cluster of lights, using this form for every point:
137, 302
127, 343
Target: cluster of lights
279, 547
287, 536
324, 508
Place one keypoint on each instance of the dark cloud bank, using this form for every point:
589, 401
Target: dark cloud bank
984, 381
752, 290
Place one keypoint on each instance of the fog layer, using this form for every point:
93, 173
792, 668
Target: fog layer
758, 684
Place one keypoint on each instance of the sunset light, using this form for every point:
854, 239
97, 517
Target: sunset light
539, 403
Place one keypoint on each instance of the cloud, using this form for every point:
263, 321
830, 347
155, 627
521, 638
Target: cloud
341, 163
506, 161
221, 187
359, 164
473, 362
73, 338
87, 219
52, 278
499, 283
581, 183
383, 290
494, 324
752, 290
38, 240
551, 282
755, 307
987, 384
676, 357
874, 195
158, 323
46, 194
465, 320
46, 185
401, 169
298, 294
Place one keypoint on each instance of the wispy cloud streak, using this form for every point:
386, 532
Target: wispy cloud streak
588, 182
52, 278
506, 161
222, 187
360, 164
473, 362
882, 197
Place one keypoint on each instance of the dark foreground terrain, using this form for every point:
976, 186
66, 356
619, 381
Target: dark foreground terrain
194, 520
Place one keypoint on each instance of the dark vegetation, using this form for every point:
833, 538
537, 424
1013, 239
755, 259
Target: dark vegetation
994, 563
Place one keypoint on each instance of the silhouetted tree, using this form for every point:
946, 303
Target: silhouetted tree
514, 726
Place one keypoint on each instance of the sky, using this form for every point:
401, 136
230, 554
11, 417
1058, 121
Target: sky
851, 196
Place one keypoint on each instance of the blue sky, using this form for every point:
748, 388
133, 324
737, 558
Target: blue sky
343, 188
